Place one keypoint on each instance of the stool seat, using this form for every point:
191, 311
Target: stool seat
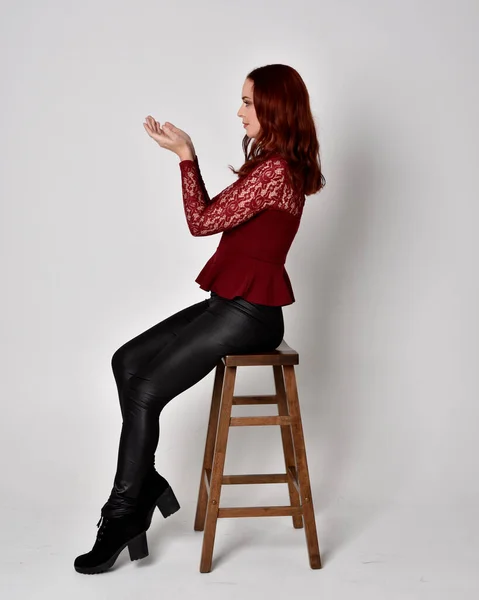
296, 475
282, 355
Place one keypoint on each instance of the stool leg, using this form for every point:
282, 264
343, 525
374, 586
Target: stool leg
287, 440
217, 471
209, 446
302, 464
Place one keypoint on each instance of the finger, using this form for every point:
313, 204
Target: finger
148, 130
152, 133
150, 121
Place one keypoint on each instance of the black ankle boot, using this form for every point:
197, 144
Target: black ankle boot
113, 536
156, 491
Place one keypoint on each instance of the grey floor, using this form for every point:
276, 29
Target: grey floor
369, 552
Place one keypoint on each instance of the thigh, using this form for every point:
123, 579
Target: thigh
142, 348
222, 328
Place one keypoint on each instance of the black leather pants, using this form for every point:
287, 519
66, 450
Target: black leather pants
165, 360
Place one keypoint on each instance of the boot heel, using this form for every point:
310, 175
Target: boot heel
138, 547
167, 503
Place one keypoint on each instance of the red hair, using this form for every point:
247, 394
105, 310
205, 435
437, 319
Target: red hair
282, 107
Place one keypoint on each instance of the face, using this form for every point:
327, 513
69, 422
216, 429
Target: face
247, 112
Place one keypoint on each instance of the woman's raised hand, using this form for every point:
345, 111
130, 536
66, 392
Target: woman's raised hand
169, 136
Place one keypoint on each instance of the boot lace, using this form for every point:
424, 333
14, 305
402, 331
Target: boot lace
102, 525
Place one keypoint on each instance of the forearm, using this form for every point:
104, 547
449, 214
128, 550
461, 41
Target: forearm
195, 196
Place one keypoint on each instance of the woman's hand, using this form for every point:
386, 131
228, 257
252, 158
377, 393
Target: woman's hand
169, 137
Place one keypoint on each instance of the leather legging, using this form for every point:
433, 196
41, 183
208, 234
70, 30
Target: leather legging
157, 365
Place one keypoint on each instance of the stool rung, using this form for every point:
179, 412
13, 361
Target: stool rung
248, 421
259, 511
266, 399
255, 478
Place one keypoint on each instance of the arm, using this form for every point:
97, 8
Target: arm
262, 188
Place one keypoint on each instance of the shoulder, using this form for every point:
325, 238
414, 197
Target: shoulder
270, 173
272, 168
277, 168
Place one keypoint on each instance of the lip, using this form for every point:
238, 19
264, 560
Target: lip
245, 124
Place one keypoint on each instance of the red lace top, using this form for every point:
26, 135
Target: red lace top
259, 216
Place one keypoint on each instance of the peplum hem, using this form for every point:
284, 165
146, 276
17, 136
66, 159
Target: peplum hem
253, 279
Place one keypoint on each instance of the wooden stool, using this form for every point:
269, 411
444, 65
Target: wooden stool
212, 478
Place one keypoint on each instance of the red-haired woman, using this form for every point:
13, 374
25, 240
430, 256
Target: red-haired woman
258, 215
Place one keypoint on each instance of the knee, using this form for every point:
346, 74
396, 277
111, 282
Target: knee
123, 361
117, 361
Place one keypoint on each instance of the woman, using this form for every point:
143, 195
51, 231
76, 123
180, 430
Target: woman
258, 215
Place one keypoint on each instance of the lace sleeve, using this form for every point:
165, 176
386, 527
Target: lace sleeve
266, 186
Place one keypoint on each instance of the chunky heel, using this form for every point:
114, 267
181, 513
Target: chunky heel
167, 503
138, 547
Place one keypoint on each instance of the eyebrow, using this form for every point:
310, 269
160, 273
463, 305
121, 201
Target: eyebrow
245, 97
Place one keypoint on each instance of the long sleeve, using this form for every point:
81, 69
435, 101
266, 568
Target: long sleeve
266, 186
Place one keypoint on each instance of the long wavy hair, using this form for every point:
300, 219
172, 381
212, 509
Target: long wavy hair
282, 106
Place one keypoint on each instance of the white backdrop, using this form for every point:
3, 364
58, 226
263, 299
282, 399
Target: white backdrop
95, 249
